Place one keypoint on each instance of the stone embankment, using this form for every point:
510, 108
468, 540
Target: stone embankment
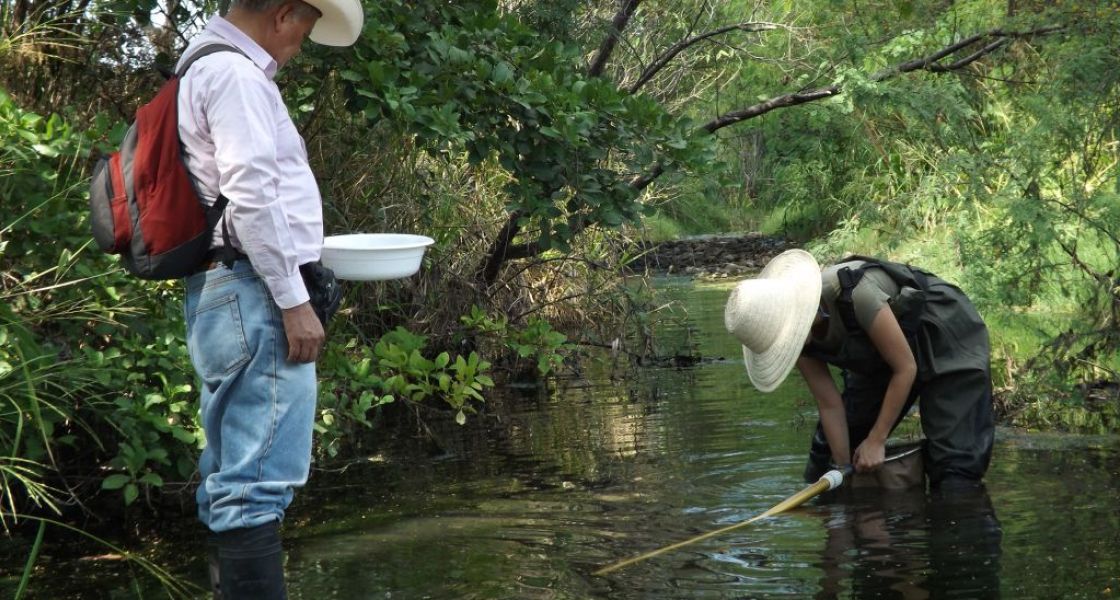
711, 256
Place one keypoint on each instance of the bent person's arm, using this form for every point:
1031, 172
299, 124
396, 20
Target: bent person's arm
887, 336
830, 406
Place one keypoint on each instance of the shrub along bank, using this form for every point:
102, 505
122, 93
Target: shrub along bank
96, 388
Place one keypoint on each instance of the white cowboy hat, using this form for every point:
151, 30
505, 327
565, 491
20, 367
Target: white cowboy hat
340, 24
772, 313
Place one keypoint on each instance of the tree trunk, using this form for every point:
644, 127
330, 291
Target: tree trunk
496, 254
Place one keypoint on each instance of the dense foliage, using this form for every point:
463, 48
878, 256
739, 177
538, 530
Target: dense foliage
1001, 175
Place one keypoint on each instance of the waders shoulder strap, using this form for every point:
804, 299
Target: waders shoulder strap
849, 279
903, 275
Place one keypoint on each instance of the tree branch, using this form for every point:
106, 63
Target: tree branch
500, 250
661, 61
530, 249
1101, 229
621, 19
762, 108
925, 62
640, 182
504, 250
928, 63
1102, 279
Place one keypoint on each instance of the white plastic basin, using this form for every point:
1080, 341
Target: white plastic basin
374, 256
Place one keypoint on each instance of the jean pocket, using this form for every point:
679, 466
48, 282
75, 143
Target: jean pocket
217, 345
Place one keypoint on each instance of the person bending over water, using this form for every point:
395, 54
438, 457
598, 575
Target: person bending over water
898, 334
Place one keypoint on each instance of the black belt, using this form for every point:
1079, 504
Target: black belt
218, 256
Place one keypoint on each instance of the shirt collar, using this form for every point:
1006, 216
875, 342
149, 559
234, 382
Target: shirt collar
228, 31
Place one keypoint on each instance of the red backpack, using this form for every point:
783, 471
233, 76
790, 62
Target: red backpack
144, 205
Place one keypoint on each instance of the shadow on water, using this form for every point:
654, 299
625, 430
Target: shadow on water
527, 502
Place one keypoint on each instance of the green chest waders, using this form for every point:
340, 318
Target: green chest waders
950, 346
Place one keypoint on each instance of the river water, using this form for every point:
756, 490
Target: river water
600, 468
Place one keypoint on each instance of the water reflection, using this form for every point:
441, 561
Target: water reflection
908, 544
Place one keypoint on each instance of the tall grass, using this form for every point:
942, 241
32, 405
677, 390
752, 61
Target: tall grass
174, 586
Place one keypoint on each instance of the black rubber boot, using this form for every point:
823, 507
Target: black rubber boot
955, 483
213, 566
251, 563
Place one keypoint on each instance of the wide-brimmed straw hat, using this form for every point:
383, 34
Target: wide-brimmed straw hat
772, 313
340, 24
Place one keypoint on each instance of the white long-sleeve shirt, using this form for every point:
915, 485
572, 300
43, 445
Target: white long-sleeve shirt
239, 139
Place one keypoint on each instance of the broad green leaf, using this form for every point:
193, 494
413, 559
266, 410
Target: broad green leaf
131, 493
115, 481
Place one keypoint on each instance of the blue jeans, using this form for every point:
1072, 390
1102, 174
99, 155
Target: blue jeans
258, 408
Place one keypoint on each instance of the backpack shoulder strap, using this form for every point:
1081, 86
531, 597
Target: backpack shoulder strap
206, 51
214, 211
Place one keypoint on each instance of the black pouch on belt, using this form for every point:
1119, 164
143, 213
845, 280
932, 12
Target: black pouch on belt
323, 288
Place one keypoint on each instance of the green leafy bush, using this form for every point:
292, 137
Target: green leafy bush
536, 340
357, 379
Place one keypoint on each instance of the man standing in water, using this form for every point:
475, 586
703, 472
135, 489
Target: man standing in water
255, 325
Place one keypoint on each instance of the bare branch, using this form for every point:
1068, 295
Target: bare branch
618, 24
928, 63
762, 108
964, 62
642, 181
925, 62
662, 60
504, 250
